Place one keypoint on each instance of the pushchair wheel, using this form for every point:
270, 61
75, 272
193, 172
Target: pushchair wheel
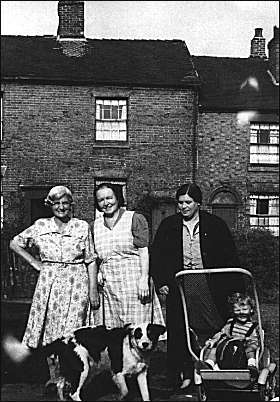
267, 390
201, 393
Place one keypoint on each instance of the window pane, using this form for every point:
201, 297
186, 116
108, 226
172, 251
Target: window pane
106, 113
264, 137
115, 112
262, 206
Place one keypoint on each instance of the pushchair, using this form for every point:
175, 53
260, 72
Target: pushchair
202, 318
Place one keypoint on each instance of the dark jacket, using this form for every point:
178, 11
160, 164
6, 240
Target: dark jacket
216, 244
166, 258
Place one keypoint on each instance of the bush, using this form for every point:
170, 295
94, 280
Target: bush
258, 250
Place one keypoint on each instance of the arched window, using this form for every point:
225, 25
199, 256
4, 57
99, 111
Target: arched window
224, 204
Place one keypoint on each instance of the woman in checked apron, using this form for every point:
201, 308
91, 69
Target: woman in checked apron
121, 243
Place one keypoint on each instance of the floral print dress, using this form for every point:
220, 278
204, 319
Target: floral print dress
60, 302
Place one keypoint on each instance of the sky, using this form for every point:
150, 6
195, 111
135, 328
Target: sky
209, 28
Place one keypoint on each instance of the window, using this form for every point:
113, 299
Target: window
120, 183
264, 143
111, 120
264, 212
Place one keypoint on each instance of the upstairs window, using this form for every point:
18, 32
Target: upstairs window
264, 212
264, 143
111, 120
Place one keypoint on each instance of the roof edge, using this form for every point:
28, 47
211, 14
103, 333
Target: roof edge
236, 109
45, 81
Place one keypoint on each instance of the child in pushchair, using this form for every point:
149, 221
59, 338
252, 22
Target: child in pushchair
235, 345
235, 359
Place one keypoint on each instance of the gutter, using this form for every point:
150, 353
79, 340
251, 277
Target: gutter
56, 81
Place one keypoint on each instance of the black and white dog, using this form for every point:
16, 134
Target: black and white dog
125, 351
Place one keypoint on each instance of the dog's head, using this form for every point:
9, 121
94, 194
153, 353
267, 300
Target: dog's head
144, 337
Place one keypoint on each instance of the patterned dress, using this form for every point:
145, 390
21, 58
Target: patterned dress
60, 302
120, 268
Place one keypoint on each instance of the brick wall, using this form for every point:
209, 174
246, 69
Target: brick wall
223, 161
49, 139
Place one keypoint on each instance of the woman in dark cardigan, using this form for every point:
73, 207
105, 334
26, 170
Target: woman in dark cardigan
190, 239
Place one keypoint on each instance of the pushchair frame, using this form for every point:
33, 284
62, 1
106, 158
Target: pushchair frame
232, 379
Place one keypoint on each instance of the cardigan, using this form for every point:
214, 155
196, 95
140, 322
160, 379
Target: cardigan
217, 251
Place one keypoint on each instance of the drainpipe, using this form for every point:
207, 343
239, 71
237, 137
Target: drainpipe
194, 137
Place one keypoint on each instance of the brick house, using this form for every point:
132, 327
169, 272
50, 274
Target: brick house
238, 135
141, 113
78, 111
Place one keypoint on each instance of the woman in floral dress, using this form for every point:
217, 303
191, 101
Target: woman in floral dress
68, 274
121, 243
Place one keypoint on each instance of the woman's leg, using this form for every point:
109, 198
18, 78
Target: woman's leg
179, 360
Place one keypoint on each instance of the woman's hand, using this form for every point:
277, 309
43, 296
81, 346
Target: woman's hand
210, 343
143, 288
164, 290
100, 279
94, 299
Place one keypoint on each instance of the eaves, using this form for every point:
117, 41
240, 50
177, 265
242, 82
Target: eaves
194, 83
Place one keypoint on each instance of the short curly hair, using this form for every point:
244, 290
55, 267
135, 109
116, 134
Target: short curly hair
240, 298
56, 193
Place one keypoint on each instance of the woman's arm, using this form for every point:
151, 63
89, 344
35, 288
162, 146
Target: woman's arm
143, 284
93, 288
26, 255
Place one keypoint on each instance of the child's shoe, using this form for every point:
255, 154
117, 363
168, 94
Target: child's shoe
253, 372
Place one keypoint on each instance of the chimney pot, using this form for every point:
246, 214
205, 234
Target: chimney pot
258, 32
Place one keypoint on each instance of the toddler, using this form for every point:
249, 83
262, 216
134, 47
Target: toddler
241, 327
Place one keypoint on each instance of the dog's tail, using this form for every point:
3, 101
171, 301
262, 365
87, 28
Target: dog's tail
16, 350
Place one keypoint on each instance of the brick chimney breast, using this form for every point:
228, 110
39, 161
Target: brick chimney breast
273, 54
71, 19
258, 44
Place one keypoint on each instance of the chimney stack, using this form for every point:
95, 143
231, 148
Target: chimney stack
258, 44
71, 19
70, 32
273, 54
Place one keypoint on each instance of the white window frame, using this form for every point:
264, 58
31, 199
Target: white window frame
264, 212
111, 120
264, 143
122, 183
